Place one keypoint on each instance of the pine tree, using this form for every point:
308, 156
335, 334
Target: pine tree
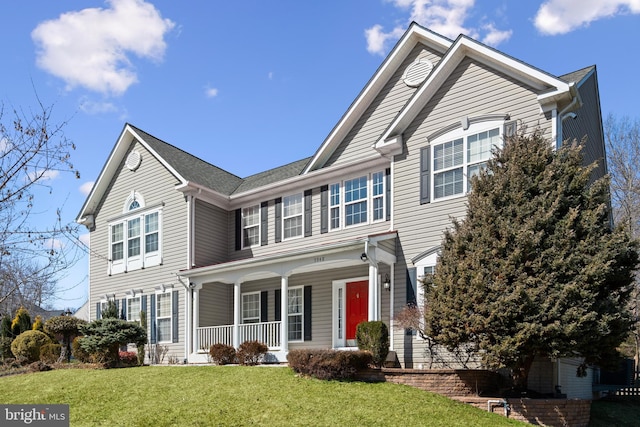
21, 322
535, 268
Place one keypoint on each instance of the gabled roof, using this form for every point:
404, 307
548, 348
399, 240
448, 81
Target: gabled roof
272, 175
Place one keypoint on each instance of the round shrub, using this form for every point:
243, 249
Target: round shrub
373, 337
50, 353
251, 352
27, 345
222, 354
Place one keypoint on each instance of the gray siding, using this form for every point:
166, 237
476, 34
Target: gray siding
211, 225
215, 304
384, 108
154, 182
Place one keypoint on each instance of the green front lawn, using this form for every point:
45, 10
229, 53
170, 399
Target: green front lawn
234, 395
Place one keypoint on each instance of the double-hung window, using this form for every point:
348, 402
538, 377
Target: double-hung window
458, 158
251, 226
295, 309
359, 200
163, 316
135, 239
292, 216
251, 307
133, 309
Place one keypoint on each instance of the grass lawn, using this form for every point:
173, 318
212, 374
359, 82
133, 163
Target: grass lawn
233, 395
619, 413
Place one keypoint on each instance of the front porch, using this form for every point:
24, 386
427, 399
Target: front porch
314, 298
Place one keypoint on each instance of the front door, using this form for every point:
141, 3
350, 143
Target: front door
357, 308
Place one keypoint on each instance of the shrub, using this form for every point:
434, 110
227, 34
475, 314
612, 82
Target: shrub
374, 337
50, 353
78, 352
5, 347
222, 354
39, 366
251, 352
128, 358
64, 328
106, 336
328, 364
21, 322
27, 345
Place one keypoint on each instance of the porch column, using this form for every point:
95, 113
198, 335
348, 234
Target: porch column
284, 314
374, 293
237, 303
195, 318
392, 290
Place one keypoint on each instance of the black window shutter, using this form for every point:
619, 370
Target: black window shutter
123, 312
425, 177
387, 195
174, 317
98, 311
153, 340
264, 306
264, 223
307, 213
278, 305
117, 301
278, 219
238, 229
324, 209
411, 283
307, 313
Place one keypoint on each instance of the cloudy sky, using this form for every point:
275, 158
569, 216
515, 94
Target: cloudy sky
256, 84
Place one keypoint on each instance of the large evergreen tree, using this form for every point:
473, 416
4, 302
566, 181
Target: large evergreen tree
535, 268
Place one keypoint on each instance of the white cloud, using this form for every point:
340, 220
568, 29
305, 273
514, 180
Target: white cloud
85, 188
43, 175
92, 48
92, 107
85, 238
53, 244
445, 17
210, 92
562, 16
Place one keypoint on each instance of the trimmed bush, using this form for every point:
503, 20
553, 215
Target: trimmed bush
222, 354
128, 358
328, 364
50, 353
251, 352
27, 345
5, 347
374, 337
78, 352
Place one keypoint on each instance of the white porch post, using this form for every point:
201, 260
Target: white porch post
195, 319
284, 314
237, 302
392, 290
374, 289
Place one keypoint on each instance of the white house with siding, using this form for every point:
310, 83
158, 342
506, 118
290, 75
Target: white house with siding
298, 255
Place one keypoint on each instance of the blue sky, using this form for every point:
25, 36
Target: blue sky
253, 85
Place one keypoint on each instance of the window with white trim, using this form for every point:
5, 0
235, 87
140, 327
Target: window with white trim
425, 268
292, 218
251, 226
251, 307
135, 239
461, 156
163, 316
357, 201
133, 309
295, 309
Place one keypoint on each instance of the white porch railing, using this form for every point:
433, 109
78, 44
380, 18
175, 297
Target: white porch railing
265, 332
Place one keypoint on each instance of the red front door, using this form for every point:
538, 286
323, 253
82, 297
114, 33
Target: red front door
357, 306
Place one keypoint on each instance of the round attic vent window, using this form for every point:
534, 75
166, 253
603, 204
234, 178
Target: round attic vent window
417, 72
133, 160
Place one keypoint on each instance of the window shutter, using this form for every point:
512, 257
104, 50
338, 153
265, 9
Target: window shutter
324, 209
278, 305
264, 223
264, 306
307, 213
387, 196
123, 312
425, 175
238, 229
307, 313
174, 316
411, 291
98, 311
510, 129
143, 306
278, 219
117, 301
153, 340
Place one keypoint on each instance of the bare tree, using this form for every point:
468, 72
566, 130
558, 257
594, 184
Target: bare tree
623, 158
32, 152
